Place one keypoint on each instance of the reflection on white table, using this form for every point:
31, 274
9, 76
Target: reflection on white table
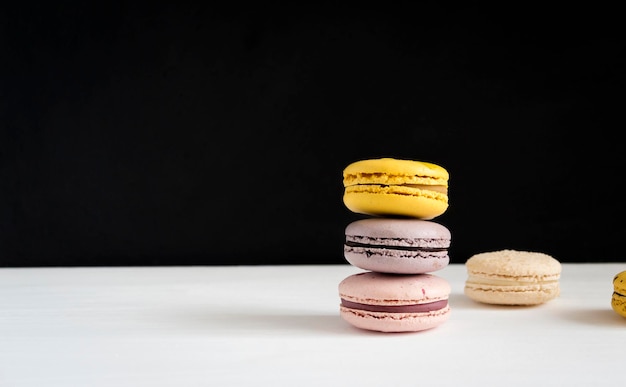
279, 326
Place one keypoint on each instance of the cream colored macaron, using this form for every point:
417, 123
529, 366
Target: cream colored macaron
512, 277
396, 187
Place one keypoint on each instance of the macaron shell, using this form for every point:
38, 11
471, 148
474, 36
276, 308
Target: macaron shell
394, 171
394, 290
394, 261
618, 303
512, 295
514, 265
394, 322
389, 289
395, 201
429, 234
401, 246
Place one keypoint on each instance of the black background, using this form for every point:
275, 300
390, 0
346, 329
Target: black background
180, 134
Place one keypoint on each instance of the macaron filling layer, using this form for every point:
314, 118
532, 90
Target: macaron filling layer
437, 191
508, 282
414, 308
385, 244
438, 188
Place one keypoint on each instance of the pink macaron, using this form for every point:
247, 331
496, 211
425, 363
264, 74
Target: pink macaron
397, 245
394, 303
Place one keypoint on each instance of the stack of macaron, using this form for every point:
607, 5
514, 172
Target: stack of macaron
397, 244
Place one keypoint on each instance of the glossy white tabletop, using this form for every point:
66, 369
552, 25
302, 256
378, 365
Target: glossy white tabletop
279, 326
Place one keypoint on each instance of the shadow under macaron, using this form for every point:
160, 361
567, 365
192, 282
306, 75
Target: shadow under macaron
606, 317
460, 300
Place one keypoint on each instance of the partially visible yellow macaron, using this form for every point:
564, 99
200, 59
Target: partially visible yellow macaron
396, 187
618, 301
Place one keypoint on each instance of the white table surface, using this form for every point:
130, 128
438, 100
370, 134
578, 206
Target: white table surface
279, 326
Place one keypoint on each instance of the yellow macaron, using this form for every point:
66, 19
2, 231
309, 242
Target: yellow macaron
618, 301
396, 187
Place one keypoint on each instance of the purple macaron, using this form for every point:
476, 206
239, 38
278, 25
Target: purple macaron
397, 245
